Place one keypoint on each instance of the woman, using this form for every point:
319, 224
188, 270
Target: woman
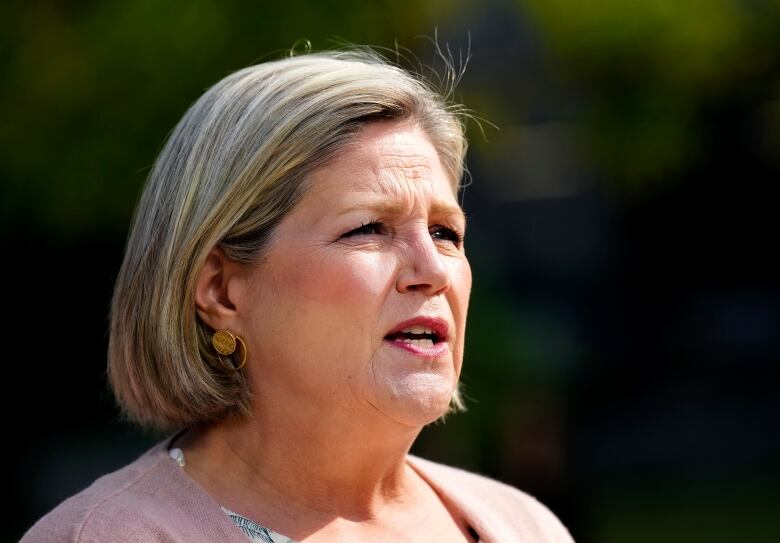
293, 299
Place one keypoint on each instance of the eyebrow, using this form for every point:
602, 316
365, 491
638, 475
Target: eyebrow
391, 208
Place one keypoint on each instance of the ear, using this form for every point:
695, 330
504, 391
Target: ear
213, 293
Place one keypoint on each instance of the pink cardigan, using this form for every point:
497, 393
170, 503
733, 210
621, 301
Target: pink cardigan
153, 499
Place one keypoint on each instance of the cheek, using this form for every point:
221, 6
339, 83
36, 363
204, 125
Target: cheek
461, 287
459, 302
324, 317
341, 281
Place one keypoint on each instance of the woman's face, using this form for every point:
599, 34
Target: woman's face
360, 302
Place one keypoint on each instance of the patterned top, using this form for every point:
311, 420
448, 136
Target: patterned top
252, 530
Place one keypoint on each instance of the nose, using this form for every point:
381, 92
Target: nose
424, 269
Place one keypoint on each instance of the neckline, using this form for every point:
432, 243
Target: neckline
443, 492
417, 464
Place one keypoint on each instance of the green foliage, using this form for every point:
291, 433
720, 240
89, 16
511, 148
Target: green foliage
741, 509
90, 90
647, 68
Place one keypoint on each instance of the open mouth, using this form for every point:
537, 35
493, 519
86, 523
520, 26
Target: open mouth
419, 336
423, 336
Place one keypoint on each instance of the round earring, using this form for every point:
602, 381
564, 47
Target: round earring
225, 343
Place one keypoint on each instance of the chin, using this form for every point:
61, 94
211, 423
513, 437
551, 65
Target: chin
419, 403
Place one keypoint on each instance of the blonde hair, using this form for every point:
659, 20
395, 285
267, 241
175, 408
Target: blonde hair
229, 172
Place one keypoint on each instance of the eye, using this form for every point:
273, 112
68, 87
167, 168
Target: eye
443, 233
366, 229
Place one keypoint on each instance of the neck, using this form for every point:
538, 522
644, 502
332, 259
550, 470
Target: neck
348, 467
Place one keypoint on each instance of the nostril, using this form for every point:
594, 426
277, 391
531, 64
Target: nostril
429, 278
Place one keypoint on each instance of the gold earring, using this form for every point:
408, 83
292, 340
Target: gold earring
225, 343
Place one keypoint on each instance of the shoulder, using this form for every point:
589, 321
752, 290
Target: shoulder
497, 506
130, 504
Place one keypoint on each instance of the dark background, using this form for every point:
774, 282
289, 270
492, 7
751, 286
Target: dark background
621, 363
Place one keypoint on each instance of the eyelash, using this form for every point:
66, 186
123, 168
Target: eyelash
452, 235
376, 227
371, 227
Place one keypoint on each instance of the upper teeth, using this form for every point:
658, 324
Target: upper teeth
417, 330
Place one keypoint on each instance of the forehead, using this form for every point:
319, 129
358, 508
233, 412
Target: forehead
392, 159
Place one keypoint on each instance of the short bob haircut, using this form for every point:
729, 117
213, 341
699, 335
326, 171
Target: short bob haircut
232, 168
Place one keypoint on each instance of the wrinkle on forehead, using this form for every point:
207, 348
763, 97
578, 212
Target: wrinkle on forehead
387, 166
397, 166
405, 183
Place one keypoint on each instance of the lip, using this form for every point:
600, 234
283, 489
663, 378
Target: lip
439, 326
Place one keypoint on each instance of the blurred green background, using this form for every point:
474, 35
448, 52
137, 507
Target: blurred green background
621, 362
